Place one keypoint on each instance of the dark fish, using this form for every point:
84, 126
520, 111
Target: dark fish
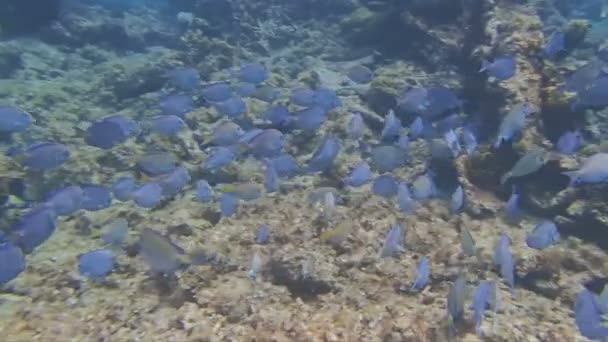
569, 142
267, 144
359, 175
229, 204
157, 163
423, 274
12, 262
262, 235
393, 243
414, 101
44, 156
232, 107
204, 191
326, 98
387, 158
360, 74
594, 96
123, 187
110, 131
325, 155
304, 97
161, 255
254, 73
584, 77
441, 100
96, 264
34, 228
501, 68
116, 232
66, 201
587, 316
185, 79
178, 105
285, 165
392, 128
175, 181
13, 119
309, 119
544, 235
148, 195
218, 92
277, 115
385, 186
555, 44
96, 197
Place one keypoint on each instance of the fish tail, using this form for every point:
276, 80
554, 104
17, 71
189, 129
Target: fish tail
505, 178
484, 65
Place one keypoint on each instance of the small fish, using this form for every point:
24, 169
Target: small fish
416, 128
555, 44
587, 316
392, 128
175, 181
594, 96
266, 93
267, 144
456, 298
177, 104
44, 156
359, 175
204, 191
457, 202
167, 124
544, 235
34, 228
219, 157
569, 142
226, 133
326, 98
513, 213
441, 151
148, 195
123, 187
386, 158
218, 92
257, 263
245, 89
161, 255
328, 206
481, 299
12, 261
95, 197
423, 274
507, 265
501, 68
338, 234
503, 243
229, 204
110, 131
116, 232
406, 203
424, 187
403, 142
285, 165
529, 163
414, 101
467, 243
252, 73
355, 126
302, 96
262, 235
441, 101
318, 195
277, 115
14, 120
393, 243
185, 79
156, 163
271, 178
584, 76
232, 107
452, 141
512, 124
593, 170
309, 119
66, 201
360, 74
385, 186
325, 155
96, 264
470, 141
248, 191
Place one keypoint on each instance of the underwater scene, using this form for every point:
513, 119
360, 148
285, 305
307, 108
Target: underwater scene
303, 170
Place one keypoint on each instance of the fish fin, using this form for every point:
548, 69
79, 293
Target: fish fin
505, 178
573, 175
484, 65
